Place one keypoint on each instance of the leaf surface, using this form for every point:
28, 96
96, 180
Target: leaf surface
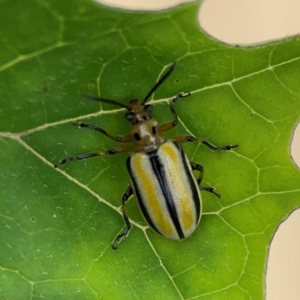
58, 224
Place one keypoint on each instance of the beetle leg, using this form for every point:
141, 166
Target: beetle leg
128, 193
199, 168
173, 123
189, 138
125, 148
125, 138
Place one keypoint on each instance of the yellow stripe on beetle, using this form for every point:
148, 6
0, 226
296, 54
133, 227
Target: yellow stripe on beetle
150, 192
180, 183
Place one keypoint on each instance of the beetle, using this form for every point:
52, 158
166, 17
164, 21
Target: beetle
161, 175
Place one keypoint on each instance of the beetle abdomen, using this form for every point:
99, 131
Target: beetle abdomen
166, 189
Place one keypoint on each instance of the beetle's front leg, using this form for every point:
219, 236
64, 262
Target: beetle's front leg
190, 138
199, 168
128, 193
123, 139
173, 123
125, 148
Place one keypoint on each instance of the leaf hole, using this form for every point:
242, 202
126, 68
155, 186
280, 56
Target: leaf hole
294, 145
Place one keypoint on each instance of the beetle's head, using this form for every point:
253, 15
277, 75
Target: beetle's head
137, 110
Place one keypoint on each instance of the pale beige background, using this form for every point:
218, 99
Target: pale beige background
247, 22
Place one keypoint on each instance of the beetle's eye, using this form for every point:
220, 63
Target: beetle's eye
129, 116
148, 108
154, 130
137, 136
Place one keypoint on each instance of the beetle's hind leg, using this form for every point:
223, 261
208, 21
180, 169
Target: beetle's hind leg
199, 168
128, 193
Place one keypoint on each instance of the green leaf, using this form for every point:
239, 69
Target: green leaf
57, 225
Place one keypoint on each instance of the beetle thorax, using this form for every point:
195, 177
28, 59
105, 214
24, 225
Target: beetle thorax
147, 137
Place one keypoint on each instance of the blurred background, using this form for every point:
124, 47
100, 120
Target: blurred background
248, 22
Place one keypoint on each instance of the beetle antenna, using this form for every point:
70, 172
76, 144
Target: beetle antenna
160, 81
104, 100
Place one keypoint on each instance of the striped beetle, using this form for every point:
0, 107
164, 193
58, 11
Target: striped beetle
161, 175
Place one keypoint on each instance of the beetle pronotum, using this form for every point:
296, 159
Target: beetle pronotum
161, 175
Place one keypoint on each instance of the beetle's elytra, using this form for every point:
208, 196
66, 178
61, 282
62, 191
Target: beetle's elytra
161, 175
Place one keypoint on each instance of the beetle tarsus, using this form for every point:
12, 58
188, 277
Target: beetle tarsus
210, 190
212, 147
121, 236
79, 157
180, 95
231, 147
61, 162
